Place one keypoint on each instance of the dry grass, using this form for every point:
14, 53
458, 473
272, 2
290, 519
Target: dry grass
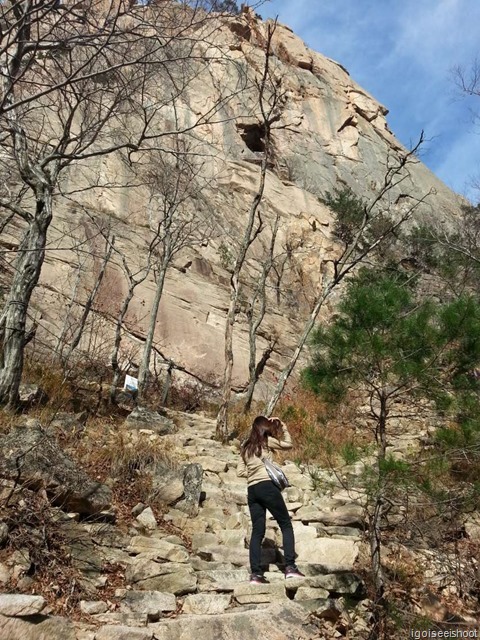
50, 378
318, 435
119, 452
7, 421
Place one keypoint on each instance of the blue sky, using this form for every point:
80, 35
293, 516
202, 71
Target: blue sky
402, 52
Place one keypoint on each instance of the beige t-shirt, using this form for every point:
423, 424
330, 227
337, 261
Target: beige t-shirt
254, 470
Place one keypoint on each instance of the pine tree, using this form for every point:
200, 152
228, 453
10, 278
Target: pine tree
389, 346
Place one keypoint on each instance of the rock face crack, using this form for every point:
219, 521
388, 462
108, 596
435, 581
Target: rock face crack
349, 122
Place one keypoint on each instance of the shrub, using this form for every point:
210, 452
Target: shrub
50, 378
36, 531
318, 434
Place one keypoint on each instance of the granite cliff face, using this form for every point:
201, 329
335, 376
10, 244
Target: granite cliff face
330, 133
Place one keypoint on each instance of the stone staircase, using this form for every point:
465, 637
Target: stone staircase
177, 590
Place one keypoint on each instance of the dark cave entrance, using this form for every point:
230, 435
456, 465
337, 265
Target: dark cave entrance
252, 135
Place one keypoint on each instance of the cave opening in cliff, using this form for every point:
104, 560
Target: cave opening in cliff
252, 135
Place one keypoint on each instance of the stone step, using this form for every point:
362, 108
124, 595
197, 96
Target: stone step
283, 620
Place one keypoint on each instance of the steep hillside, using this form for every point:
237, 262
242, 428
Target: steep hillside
329, 133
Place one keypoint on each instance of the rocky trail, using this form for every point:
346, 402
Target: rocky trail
178, 587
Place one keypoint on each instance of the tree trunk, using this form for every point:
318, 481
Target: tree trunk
28, 264
284, 376
167, 384
60, 345
376, 566
222, 417
256, 373
255, 370
375, 532
89, 303
147, 350
116, 345
382, 427
376, 547
249, 235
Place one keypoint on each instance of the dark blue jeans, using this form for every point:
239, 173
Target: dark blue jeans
262, 496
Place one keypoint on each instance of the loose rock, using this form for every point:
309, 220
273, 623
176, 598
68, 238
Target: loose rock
17, 604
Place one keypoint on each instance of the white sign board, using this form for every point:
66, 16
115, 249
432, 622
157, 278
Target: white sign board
131, 384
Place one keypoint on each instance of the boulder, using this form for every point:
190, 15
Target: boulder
86, 556
167, 486
206, 604
280, 621
137, 509
209, 463
338, 532
337, 583
84, 631
36, 628
93, 607
332, 554
157, 548
221, 579
202, 540
119, 619
246, 593
344, 516
151, 603
304, 533
236, 556
33, 457
192, 489
232, 538
18, 604
311, 593
237, 521
4, 574
168, 577
30, 394
121, 632
147, 520
143, 418
19, 563
472, 526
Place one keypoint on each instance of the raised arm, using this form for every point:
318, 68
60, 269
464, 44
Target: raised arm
285, 440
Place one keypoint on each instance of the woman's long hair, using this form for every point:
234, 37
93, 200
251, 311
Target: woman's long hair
262, 427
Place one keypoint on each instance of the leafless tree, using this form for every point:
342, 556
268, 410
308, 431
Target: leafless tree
134, 279
257, 307
88, 305
468, 80
178, 220
374, 228
63, 336
80, 80
269, 104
